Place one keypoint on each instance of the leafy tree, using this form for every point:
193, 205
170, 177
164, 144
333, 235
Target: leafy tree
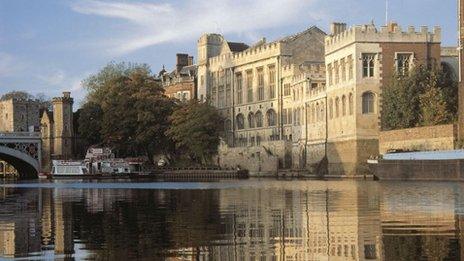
89, 123
134, 110
20, 95
195, 129
406, 98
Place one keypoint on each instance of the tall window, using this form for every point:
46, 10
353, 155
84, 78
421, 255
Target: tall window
249, 84
272, 80
239, 89
240, 122
350, 67
343, 67
343, 105
337, 107
368, 103
350, 101
260, 84
336, 72
259, 119
289, 117
271, 118
403, 63
221, 96
287, 91
331, 108
368, 61
313, 114
329, 73
228, 91
284, 116
251, 120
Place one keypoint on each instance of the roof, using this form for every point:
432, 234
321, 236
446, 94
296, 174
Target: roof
237, 47
294, 36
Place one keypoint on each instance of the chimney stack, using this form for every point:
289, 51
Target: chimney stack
337, 28
182, 60
190, 60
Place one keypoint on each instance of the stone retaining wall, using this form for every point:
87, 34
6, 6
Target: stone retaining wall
440, 137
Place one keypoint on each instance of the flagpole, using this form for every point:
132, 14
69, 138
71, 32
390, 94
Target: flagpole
386, 12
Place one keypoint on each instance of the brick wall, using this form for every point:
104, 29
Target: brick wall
440, 137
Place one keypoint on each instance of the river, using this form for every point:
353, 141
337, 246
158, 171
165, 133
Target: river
232, 220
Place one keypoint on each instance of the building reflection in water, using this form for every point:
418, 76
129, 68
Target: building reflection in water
344, 220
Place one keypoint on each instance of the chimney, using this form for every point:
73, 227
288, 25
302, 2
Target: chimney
392, 27
67, 94
182, 60
190, 60
337, 28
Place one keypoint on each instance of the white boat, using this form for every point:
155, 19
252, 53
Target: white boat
65, 168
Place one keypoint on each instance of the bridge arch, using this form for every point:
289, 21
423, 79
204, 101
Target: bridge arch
27, 166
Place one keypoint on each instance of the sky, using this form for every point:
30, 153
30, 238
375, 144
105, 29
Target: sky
50, 46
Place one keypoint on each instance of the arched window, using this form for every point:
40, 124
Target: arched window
318, 117
337, 107
227, 125
368, 103
322, 111
240, 122
343, 105
271, 118
259, 119
251, 120
331, 108
350, 101
313, 113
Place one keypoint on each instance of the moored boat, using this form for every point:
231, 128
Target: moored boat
63, 168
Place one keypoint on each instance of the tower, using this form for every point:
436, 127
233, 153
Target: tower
209, 45
461, 70
63, 126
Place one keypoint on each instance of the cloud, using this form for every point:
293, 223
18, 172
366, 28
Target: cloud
151, 23
9, 65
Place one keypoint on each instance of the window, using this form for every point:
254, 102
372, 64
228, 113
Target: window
240, 122
272, 75
344, 105
259, 119
329, 73
368, 65
287, 89
284, 116
228, 125
239, 89
249, 84
322, 111
336, 71
221, 96
337, 107
350, 101
343, 67
350, 67
368, 100
331, 108
202, 80
318, 116
403, 63
260, 84
289, 117
251, 120
271, 118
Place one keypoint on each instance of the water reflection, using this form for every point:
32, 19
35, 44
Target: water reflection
344, 220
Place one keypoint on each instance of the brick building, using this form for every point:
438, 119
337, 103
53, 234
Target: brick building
181, 82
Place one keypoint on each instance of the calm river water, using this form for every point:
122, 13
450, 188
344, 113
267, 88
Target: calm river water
232, 220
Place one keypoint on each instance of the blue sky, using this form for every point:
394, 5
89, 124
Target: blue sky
48, 46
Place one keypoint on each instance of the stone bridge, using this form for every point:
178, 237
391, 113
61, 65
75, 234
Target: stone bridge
23, 151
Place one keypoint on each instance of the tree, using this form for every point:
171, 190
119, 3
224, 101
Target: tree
89, 123
195, 129
134, 110
20, 95
406, 98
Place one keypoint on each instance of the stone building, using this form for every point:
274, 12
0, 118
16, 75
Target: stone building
181, 83
359, 62
57, 130
18, 115
264, 93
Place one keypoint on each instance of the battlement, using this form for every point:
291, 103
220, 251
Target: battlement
257, 52
65, 98
391, 33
